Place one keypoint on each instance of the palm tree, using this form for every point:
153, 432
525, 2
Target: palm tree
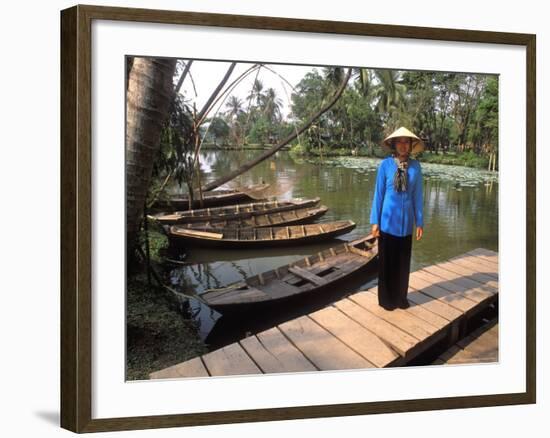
256, 92
233, 116
234, 107
272, 105
331, 102
150, 92
390, 92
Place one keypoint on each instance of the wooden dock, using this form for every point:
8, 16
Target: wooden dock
479, 346
356, 332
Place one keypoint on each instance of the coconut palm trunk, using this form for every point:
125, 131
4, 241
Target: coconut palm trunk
150, 92
288, 139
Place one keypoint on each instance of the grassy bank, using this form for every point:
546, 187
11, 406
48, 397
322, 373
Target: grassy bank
468, 159
159, 332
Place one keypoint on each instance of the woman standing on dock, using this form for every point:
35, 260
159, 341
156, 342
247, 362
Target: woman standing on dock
397, 203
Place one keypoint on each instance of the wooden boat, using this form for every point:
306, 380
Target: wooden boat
259, 237
313, 274
278, 218
213, 198
232, 211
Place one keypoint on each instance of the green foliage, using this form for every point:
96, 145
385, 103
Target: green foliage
260, 131
218, 131
468, 158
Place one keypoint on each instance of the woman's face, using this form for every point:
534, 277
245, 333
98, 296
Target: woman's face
402, 145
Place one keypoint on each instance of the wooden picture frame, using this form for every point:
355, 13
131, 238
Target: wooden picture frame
76, 217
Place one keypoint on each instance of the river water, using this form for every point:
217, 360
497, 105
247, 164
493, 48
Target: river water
460, 214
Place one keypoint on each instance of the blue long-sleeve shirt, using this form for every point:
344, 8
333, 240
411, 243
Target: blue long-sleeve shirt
395, 212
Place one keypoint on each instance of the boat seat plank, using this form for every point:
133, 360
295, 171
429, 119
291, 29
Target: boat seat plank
190, 368
360, 251
399, 340
351, 333
230, 360
307, 275
322, 348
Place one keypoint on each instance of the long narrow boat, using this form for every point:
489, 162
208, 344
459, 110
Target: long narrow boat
313, 274
229, 238
279, 218
233, 211
213, 198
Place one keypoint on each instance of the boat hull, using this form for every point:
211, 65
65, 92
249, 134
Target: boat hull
190, 240
313, 275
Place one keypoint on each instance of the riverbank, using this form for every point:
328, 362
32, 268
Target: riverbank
159, 332
466, 159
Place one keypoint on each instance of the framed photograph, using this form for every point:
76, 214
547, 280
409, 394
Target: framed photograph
269, 218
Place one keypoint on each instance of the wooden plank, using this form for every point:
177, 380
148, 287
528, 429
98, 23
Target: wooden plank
433, 305
486, 262
455, 300
446, 355
471, 270
399, 340
267, 362
475, 265
279, 346
484, 276
196, 233
407, 322
359, 251
276, 288
473, 294
320, 347
483, 346
485, 254
364, 342
250, 295
190, 368
460, 284
480, 346
307, 275
462, 278
421, 312
230, 360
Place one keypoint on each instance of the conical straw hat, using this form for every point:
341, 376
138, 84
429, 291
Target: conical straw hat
417, 144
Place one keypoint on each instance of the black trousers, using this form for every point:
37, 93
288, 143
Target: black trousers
394, 263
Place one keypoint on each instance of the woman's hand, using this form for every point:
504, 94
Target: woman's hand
419, 232
375, 230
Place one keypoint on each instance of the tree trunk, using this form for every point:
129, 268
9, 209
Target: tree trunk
284, 142
150, 92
